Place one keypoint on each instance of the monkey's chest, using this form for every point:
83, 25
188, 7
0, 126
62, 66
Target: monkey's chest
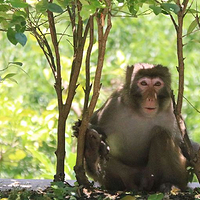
129, 135
129, 143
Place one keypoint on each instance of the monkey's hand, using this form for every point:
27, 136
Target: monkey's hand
94, 142
104, 150
96, 151
76, 127
95, 145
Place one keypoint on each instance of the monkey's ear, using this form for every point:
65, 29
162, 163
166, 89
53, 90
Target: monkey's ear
129, 71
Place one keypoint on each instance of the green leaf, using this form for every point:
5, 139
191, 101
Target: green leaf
20, 28
54, 8
9, 75
20, 13
132, 10
17, 155
11, 36
170, 7
192, 26
17, 19
21, 38
5, 7
157, 10
18, 4
58, 184
2, 19
158, 196
6, 15
134, 6
41, 7
13, 80
87, 10
41, 157
192, 11
96, 3
16, 63
129, 197
64, 2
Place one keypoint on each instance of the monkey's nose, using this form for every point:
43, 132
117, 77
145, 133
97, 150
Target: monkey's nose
150, 99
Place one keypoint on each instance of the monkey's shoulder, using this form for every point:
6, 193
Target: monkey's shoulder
110, 108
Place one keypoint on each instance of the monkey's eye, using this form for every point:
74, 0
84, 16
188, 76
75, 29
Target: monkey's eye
143, 83
158, 83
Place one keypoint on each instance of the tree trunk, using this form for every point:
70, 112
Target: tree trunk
60, 152
193, 157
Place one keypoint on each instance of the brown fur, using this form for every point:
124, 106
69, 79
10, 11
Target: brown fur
144, 148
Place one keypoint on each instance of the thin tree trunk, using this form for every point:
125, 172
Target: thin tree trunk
193, 157
60, 152
102, 39
180, 63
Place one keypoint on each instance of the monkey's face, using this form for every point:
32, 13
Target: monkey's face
150, 89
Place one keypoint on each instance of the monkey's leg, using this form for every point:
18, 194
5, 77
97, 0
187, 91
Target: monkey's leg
166, 164
109, 172
118, 176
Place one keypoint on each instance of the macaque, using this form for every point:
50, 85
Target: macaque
133, 141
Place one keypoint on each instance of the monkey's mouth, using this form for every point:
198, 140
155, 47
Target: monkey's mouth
149, 109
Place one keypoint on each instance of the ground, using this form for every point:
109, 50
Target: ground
47, 190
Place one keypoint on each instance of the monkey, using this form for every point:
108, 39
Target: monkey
133, 141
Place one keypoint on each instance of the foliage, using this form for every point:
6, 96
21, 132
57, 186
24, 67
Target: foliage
158, 196
28, 122
10, 75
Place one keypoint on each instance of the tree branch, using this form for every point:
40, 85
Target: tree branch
179, 30
193, 157
76, 64
102, 39
192, 105
58, 84
87, 65
42, 41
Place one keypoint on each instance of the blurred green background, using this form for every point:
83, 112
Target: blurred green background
28, 108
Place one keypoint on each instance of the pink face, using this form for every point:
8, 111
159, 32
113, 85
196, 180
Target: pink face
150, 87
